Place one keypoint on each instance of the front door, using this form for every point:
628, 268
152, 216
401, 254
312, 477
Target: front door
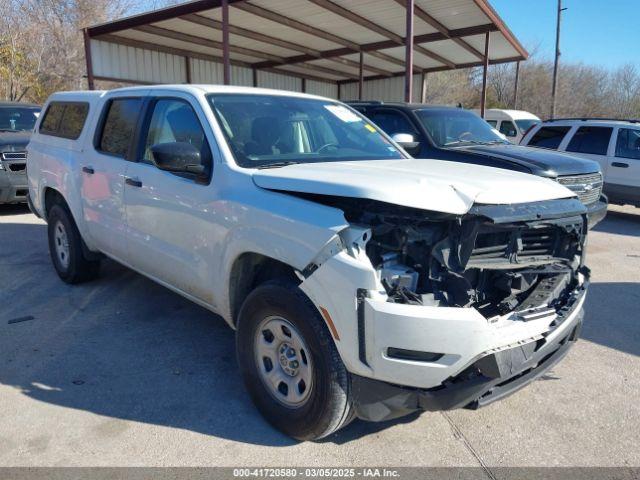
169, 228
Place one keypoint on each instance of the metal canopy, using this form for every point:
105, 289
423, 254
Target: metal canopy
335, 41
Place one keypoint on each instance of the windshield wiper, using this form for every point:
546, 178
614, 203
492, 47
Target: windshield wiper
276, 164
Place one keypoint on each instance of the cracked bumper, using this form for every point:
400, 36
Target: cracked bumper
488, 378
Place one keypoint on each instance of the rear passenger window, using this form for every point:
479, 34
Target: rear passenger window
64, 119
549, 137
628, 145
593, 140
119, 126
508, 128
493, 123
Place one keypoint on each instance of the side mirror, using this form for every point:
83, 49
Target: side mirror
406, 141
177, 157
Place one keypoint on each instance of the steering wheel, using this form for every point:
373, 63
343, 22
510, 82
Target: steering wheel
327, 145
465, 135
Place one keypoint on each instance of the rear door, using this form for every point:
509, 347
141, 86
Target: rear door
592, 142
624, 163
103, 169
169, 219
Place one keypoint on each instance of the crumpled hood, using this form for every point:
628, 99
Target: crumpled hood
539, 160
17, 140
435, 185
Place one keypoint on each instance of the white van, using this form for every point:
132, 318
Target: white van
511, 123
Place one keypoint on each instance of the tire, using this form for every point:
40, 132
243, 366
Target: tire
70, 262
323, 404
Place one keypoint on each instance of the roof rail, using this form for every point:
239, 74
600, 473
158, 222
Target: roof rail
594, 119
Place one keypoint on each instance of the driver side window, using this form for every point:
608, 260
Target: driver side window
174, 121
393, 122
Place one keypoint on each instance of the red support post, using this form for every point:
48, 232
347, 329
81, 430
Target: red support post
515, 87
225, 43
408, 60
89, 62
361, 76
187, 66
485, 70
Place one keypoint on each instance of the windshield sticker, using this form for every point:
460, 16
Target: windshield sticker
370, 128
343, 113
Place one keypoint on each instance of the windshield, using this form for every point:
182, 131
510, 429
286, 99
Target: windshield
525, 125
18, 119
455, 127
272, 130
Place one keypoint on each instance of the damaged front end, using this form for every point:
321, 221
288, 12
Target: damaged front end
451, 310
496, 259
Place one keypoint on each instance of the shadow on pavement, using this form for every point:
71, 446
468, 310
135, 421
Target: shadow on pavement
124, 347
620, 223
14, 209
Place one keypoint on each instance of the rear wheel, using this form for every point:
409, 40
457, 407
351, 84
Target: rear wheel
290, 364
66, 248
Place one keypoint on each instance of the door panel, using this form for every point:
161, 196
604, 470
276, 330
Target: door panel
624, 164
169, 228
103, 169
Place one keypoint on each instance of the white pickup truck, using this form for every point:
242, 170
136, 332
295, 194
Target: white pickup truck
361, 282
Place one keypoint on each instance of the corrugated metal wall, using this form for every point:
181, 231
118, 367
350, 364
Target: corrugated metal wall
203, 71
136, 64
324, 89
385, 90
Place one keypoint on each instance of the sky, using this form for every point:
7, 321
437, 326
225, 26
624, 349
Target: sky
597, 32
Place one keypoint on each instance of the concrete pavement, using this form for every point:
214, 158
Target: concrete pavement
122, 372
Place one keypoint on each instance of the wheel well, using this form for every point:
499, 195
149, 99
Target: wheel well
250, 270
52, 197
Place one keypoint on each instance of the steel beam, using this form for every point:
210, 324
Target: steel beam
88, 60
226, 59
485, 71
408, 57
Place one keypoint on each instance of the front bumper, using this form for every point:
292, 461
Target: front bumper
597, 211
488, 378
13, 182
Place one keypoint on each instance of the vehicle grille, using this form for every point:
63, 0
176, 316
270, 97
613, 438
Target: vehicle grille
520, 243
587, 187
11, 156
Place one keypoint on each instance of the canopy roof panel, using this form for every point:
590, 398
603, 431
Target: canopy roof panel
322, 39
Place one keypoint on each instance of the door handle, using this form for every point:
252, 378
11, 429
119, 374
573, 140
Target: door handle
88, 170
133, 182
620, 165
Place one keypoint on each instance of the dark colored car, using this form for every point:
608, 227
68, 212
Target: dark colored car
16, 124
458, 135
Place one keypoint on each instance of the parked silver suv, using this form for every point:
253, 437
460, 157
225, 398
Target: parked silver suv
615, 144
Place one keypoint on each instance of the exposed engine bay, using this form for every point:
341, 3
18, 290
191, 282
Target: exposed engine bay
497, 259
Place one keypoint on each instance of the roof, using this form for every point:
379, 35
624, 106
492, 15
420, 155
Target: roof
515, 114
408, 106
593, 121
322, 39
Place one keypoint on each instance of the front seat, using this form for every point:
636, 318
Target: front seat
265, 133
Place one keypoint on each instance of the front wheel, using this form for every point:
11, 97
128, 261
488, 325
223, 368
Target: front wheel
290, 364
